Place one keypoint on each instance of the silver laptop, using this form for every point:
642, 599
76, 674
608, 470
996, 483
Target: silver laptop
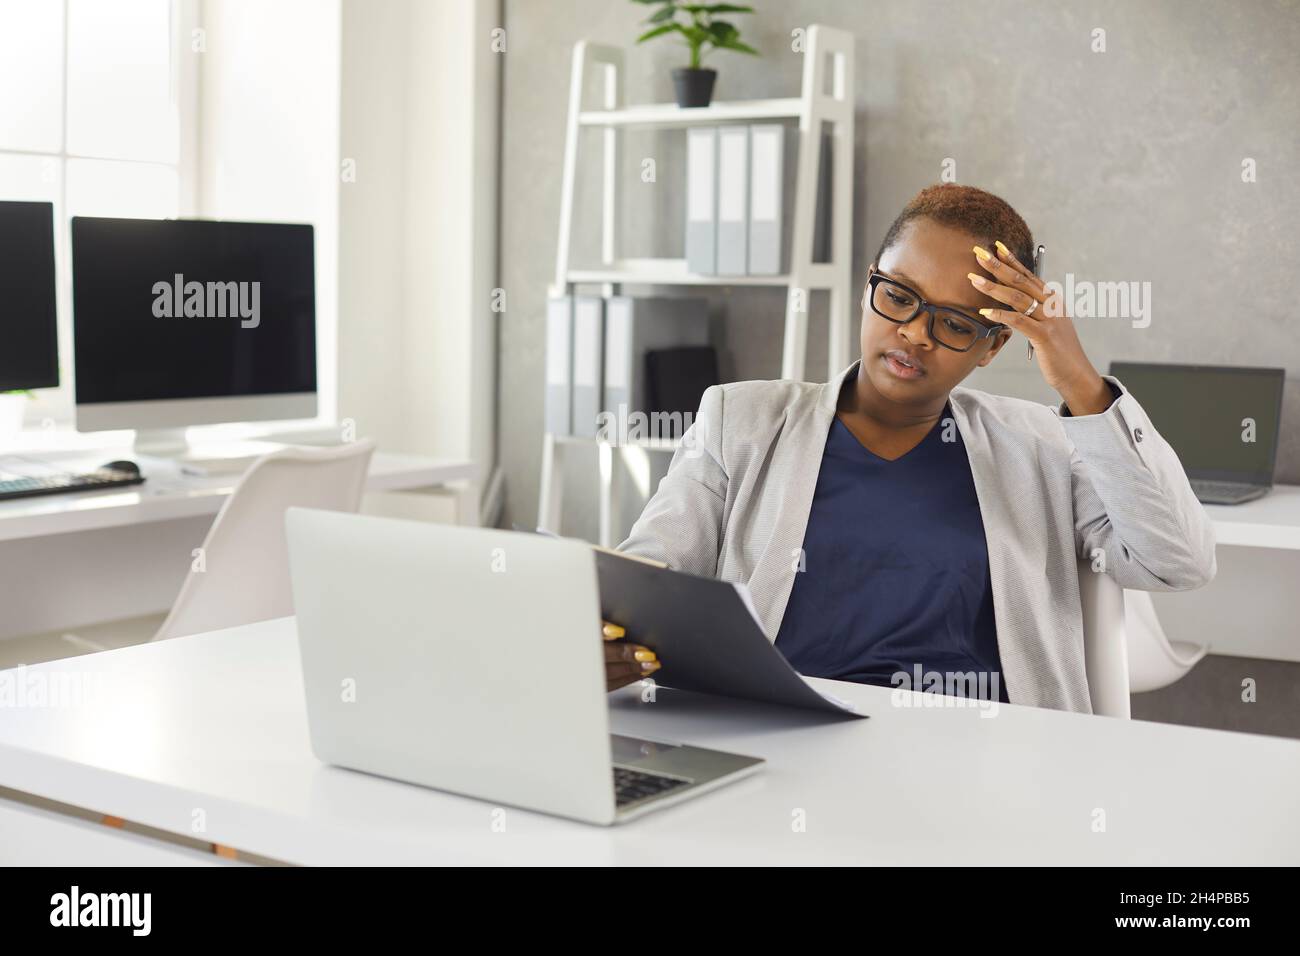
470, 660
1223, 421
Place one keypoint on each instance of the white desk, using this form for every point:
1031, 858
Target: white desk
1251, 607
76, 559
1269, 522
168, 495
217, 722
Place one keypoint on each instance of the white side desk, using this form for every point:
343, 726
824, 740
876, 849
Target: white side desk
73, 559
165, 736
1269, 522
1252, 607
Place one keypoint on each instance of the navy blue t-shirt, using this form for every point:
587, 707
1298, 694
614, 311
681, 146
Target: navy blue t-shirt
896, 569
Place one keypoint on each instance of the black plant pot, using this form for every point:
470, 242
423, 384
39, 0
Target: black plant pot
694, 87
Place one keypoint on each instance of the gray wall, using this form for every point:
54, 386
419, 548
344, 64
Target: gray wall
1126, 163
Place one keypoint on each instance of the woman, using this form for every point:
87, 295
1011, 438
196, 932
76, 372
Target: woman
892, 523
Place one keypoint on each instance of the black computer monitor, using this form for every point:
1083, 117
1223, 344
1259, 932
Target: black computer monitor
191, 322
29, 351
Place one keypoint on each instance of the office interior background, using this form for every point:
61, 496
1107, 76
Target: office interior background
1126, 164
425, 142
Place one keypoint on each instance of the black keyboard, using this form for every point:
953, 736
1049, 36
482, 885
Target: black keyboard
633, 785
1226, 492
61, 484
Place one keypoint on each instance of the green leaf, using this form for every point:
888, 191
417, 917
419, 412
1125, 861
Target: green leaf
739, 47
660, 31
695, 35
722, 31
714, 8
667, 13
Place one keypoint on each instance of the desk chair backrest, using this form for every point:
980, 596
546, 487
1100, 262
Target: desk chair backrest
1105, 642
242, 573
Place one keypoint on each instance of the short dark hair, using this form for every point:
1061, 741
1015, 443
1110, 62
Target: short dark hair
982, 215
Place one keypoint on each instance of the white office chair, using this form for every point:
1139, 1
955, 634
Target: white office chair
1125, 648
1105, 642
1154, 661
242, 573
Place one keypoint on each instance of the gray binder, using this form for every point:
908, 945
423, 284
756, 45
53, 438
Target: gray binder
701, 199
766, 159
588, 359
733, 200
559, 365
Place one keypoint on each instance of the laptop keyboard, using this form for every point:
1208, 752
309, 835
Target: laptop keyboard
1224, 492
633, 785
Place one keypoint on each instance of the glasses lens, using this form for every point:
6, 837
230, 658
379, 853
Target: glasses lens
893, 301
955, 330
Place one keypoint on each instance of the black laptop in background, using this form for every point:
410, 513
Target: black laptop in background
1202, 411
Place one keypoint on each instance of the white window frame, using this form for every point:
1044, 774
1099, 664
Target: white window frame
53, 408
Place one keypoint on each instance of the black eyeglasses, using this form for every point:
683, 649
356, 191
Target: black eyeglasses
892, 300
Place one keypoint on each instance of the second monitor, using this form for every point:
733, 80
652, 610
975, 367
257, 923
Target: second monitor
191, 322
28, 336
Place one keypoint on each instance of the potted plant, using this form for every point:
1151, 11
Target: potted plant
12, 406
702, 34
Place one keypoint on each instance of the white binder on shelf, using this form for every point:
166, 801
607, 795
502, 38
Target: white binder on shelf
588, 361
559, 365
701, 199
733, 200
766, 157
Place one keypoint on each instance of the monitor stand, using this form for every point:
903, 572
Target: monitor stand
206, 458
161, 442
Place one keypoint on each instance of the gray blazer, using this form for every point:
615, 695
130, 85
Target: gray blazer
1053, 490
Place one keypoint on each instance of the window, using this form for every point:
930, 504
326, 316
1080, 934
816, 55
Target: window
94, 118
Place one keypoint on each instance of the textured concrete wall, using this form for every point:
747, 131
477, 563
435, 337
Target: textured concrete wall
1126, 163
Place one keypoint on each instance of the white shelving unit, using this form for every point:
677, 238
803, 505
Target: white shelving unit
826, 98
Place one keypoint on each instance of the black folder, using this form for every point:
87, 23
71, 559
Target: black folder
703, 633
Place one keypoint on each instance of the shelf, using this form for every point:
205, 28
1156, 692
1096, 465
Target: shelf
597, 91
664, 272
649, 444
670, 114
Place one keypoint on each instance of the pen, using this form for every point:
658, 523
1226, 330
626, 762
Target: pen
1038, 273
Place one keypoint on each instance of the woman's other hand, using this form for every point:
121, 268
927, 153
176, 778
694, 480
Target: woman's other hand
625, 663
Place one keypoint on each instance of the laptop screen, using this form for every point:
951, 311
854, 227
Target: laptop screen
1205, 413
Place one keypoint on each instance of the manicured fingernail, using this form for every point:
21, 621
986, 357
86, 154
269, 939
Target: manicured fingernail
644, 656
987, 313
649, 667
1001, 248
982, 252
978, 280
612, 631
